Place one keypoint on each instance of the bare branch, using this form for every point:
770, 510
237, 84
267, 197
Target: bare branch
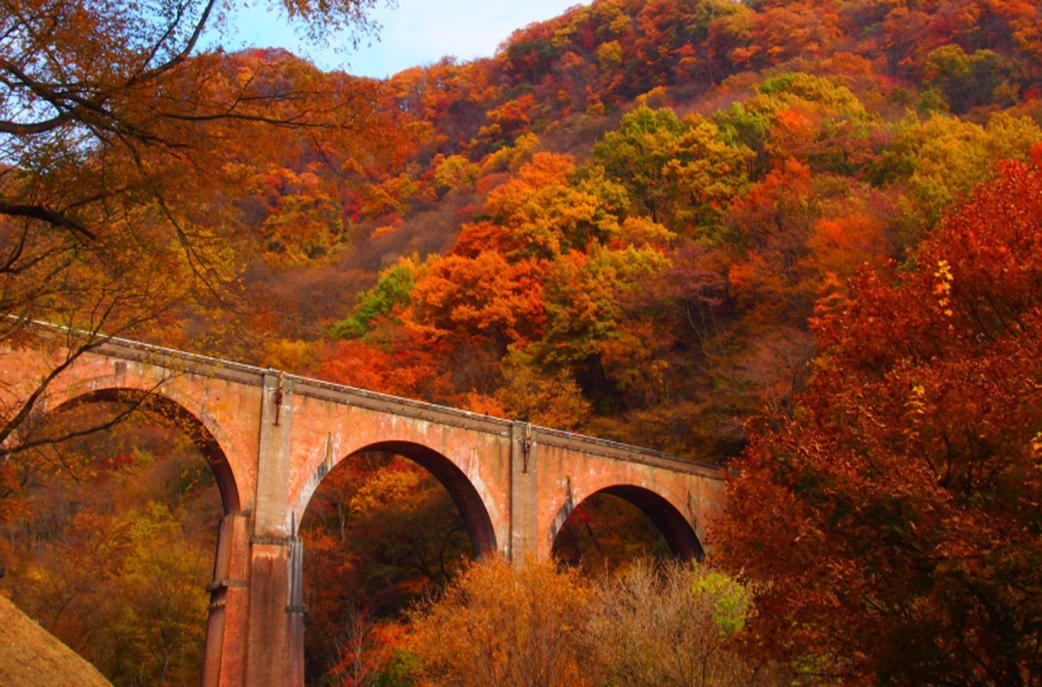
51, 217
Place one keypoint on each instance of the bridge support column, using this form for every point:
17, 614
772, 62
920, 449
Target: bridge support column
523, 493
274, 656
224, 662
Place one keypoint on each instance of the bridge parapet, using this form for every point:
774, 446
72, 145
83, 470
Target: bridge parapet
185, 362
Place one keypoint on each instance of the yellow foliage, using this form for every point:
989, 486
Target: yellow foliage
609, 54
499, 624
550, 400
384, 487
655, 98
454, 171
291, 355
511, 158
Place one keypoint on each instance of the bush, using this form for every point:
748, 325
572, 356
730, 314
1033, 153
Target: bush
541, 625
670, 625
503, 625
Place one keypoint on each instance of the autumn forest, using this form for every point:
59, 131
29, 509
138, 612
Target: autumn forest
801, 240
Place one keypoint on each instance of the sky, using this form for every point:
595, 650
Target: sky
417, 32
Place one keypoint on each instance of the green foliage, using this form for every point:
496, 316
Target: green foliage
400, 671
637, 153
966, 81
455, 171
730, 601
811, 118
391, 290
796, 87
678, 172
583, 309
943, 158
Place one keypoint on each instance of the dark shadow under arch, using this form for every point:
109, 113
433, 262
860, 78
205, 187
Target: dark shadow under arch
460, 488
671, 523
165, 407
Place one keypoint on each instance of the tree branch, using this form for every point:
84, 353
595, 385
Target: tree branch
43, 214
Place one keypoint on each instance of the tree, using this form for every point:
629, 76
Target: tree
392, 289
771, 225
500, 624
530, 394
944, 158
816, 120
119, 142
409, 525
114, 557
163, 603
480, 296
678, 172
966, 81
379, 533
893, 517
543, 625
583, 293
606, 534
545, 210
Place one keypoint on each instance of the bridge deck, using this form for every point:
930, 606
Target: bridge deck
184, 362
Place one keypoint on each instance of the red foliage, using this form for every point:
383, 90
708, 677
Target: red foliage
896, 516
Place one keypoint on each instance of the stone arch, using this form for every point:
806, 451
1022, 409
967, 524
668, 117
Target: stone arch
203, 436
462, 490
669, 519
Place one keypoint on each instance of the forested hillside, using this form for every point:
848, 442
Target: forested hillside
624, 220
797, 238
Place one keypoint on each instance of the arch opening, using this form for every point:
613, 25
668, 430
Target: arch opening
456, 483
170, 411
387, 524
670, 525
131, 488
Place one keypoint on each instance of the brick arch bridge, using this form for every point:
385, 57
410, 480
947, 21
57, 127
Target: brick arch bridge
271, 438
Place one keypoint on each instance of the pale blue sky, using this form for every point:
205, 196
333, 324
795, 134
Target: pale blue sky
417, 32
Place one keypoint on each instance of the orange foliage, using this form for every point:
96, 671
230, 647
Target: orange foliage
773, 223
484, 295
404, 371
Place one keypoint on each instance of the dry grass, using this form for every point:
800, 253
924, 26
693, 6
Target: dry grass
30, 656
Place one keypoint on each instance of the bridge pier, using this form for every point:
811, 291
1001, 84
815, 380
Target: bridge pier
275, 637
269, 659
524, 517
224, 659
